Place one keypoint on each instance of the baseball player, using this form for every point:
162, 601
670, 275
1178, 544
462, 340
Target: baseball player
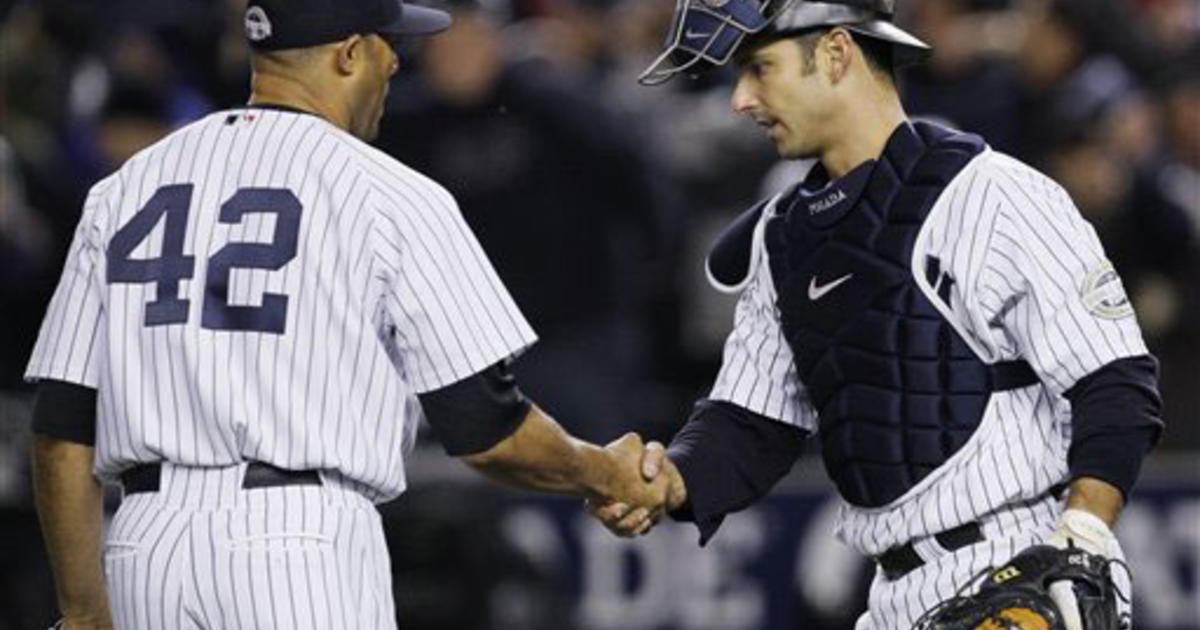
254, 316
935, 313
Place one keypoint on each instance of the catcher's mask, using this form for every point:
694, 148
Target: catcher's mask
706, 33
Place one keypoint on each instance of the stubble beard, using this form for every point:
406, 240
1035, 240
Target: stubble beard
796, 151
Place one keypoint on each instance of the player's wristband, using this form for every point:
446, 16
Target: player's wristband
1086, 531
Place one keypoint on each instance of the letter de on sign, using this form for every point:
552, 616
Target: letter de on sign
666, 580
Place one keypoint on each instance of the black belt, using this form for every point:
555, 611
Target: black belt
146, 477
1008, 375
898, 561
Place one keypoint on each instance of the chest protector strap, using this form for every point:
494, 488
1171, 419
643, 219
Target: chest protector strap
897, 389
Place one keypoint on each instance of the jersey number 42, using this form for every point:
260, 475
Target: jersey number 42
171, 266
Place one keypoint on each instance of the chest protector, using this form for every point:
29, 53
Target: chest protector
898, 391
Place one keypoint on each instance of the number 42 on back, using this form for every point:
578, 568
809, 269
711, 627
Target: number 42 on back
171, 266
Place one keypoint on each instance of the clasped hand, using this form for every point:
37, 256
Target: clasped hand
650, 486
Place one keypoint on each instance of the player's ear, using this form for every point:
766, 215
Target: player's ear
351, 53
838, 46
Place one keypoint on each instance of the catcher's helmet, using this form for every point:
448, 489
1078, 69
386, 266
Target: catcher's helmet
706, 33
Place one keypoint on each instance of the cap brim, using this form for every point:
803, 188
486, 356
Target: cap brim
415, 20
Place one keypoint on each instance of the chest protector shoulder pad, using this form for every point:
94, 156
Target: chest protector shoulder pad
898, 391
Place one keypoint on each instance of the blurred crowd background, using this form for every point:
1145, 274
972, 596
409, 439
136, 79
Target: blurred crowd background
597, 198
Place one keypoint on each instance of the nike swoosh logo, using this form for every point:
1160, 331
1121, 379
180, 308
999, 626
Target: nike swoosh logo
690, 34
816, 292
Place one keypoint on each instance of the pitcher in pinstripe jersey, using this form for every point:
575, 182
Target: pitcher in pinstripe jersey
255, 314
936, 314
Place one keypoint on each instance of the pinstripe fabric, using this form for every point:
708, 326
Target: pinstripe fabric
1020, 255
203, 553
388, 295
758, 371
898, 603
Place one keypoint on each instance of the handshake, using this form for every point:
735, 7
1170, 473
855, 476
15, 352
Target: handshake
644, 485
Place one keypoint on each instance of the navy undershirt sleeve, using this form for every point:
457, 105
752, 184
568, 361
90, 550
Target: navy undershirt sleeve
1116, 419
729, 457
65, 411
476, 413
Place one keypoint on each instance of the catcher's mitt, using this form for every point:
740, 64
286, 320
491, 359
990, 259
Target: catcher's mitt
1016, 596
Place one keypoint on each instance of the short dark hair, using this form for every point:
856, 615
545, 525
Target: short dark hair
877, 52
879, 55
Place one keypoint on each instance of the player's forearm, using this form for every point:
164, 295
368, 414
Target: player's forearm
70, 507
1097, 497
541, 455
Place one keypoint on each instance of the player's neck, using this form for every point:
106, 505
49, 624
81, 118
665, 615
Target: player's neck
270, 89
865, 130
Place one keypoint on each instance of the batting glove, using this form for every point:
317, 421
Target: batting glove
1084, 530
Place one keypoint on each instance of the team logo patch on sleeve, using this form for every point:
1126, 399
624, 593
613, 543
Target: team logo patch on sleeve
1104, 295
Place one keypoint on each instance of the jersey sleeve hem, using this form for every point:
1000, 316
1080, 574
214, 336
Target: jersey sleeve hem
429, 380
787, 414
39, 373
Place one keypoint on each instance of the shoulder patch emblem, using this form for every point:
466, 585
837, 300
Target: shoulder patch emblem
1104, 295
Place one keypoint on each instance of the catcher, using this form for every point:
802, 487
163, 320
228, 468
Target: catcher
936, 314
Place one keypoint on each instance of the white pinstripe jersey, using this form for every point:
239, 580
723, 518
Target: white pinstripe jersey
301, 288
1031, 281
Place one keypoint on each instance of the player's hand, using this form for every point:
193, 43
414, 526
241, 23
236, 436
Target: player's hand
627, 484
628, 520
1086, 531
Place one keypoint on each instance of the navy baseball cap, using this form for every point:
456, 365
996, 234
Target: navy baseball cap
281, 24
